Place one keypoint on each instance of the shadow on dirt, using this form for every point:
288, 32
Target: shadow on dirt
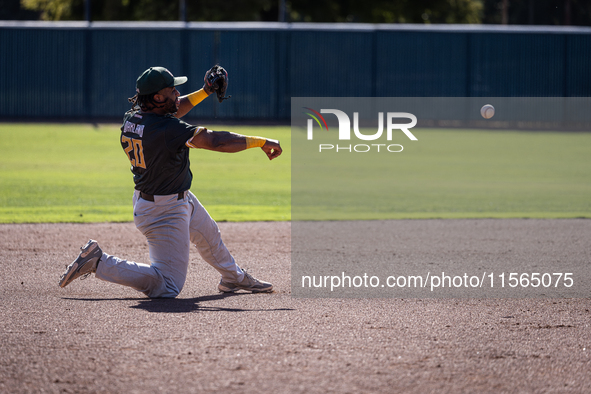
183, 305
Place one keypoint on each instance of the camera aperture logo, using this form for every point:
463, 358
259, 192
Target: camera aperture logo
345, 131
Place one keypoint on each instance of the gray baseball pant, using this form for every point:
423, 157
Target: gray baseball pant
170, 225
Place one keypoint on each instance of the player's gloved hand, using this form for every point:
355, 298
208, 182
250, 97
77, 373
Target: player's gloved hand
272, 148
216, 80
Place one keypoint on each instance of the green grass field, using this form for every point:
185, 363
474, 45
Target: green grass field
79, 173
447, 174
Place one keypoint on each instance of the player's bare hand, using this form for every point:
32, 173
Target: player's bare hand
272, 148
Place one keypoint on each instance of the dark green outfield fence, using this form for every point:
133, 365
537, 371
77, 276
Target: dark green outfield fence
86, 71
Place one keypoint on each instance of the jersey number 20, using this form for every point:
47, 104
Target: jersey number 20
137, 159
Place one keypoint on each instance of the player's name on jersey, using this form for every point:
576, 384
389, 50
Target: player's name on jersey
133, 128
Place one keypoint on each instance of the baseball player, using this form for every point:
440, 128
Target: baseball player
157, 145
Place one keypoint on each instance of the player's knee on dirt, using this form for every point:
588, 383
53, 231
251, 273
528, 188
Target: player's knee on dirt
168, 290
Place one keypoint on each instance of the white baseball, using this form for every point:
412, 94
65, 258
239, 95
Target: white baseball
487, 111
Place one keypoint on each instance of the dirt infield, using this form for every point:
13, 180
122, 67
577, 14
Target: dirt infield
94, 336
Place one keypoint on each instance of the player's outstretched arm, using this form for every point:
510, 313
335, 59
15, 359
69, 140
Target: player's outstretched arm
225, 141
189, 101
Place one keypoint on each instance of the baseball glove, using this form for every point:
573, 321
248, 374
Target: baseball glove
216, 80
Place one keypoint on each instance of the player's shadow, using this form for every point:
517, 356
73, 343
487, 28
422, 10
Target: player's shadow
184, 305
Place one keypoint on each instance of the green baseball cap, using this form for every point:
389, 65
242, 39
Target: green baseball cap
155, 79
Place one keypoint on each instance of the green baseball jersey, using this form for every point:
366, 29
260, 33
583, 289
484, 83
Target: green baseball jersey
155, 146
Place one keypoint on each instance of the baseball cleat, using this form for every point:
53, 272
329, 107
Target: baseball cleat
84, 265
249, 283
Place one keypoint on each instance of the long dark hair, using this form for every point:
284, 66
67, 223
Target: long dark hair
145, 102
